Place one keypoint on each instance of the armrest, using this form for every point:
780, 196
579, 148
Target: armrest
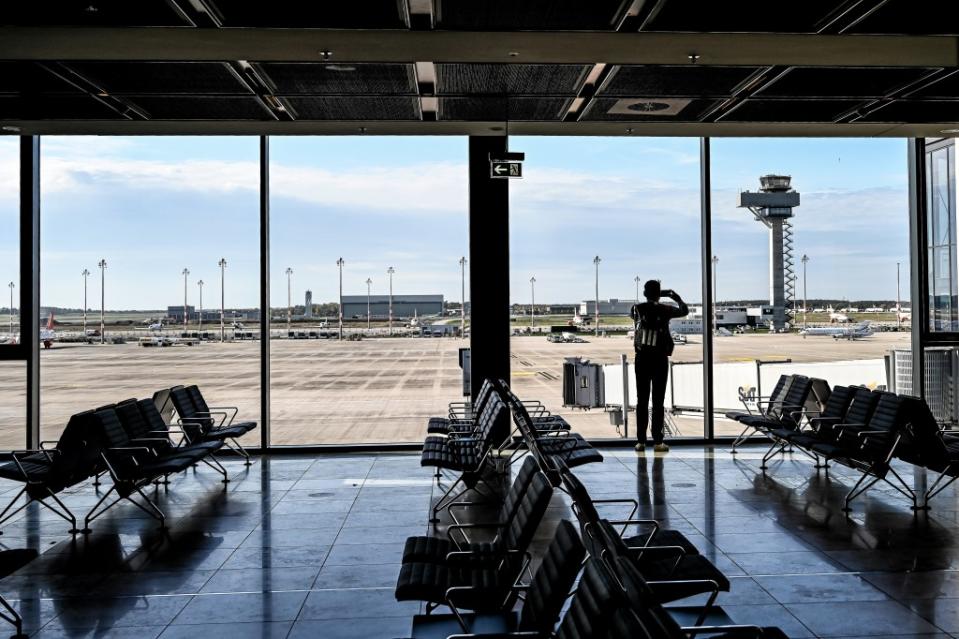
470, 526
44, 443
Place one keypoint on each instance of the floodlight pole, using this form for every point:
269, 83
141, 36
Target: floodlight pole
186, 274
463, 296
200, 313
805, 300
390, 272
222, 265
596, 261
102, 264
12, 286
340, 264
369, 282
532, 301
86, 275
636, 279
289, 299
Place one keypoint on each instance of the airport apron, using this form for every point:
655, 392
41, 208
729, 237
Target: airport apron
654, 345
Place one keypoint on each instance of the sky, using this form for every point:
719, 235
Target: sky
152, 206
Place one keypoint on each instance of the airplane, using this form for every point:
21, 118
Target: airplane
578, 320
859, 331
837, 318
47, 334
156, 326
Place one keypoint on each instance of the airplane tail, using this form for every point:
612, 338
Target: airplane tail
50, 321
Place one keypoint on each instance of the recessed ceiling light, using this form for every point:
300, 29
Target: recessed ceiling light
362, 129
693, 57
340, 67
950, 131
326, 54
496, 128
10, 128
513, 54
91, 9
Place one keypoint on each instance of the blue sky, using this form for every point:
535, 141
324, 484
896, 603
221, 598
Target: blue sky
152, 206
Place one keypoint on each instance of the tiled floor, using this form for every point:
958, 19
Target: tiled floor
310, 547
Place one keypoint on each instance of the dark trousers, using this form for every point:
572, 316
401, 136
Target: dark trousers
652, 369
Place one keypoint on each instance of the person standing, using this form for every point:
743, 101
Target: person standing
654, 345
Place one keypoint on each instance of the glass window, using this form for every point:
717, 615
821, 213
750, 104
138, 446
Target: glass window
13, 405
833, 269
941, 199
634, 205
366, 237
9, 239
134, 296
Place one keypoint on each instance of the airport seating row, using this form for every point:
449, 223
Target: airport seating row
602, 578
130, 442
859, 428
467, 442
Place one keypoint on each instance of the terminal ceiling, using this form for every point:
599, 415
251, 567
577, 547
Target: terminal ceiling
481, 67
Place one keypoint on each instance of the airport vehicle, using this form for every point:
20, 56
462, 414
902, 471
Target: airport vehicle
858, 331
565, 338
47, 334
156, 326
837, 317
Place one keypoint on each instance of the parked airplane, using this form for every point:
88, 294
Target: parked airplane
47, 334
578, 320
859, 331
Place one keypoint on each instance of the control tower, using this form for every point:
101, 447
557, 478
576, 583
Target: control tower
773, 205
308, 305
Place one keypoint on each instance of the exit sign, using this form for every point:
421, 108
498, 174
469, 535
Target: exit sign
505, 169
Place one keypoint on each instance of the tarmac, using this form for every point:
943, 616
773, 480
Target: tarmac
369, 391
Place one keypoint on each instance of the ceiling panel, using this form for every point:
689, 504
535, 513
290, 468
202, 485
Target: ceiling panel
841, 83
29, 77
311, 14
92, 13
602, 109
164, 78
355, 108
202, 108
55, 108
688, 80
909, 17
501, 109
945, 88
340, 79
512, 79
529, 15
917, 111
789, 110
740, 16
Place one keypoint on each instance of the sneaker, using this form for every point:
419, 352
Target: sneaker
640, 447
661, 447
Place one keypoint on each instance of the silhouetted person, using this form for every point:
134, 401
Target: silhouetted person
654, 345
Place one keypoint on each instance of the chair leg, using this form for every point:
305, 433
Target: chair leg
907, 491
12, 617
93, 514
935, 489
215, 464
150, 508
237, 448
6, 515
739, 440
772, 452
857, 491
66, 514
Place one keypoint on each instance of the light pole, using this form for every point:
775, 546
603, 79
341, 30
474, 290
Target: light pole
636, 279
222, 265
532, 301
86, 275
715, 297
369, 282
596, 261
390, 272
805, 300
289, 298
186, 274
102, 264
200, 314
463, 296
898, 307
11, 285
340, 264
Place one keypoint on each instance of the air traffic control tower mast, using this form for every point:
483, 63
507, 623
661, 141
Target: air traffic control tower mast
773, 206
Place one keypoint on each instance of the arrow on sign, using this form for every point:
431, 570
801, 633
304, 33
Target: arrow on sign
505, 169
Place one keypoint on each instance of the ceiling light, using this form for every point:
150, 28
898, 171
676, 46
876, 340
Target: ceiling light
362, 129
340, 67
496, 128
10, 128
326, 54
693, 57
950, 131
91, 9
513, 54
